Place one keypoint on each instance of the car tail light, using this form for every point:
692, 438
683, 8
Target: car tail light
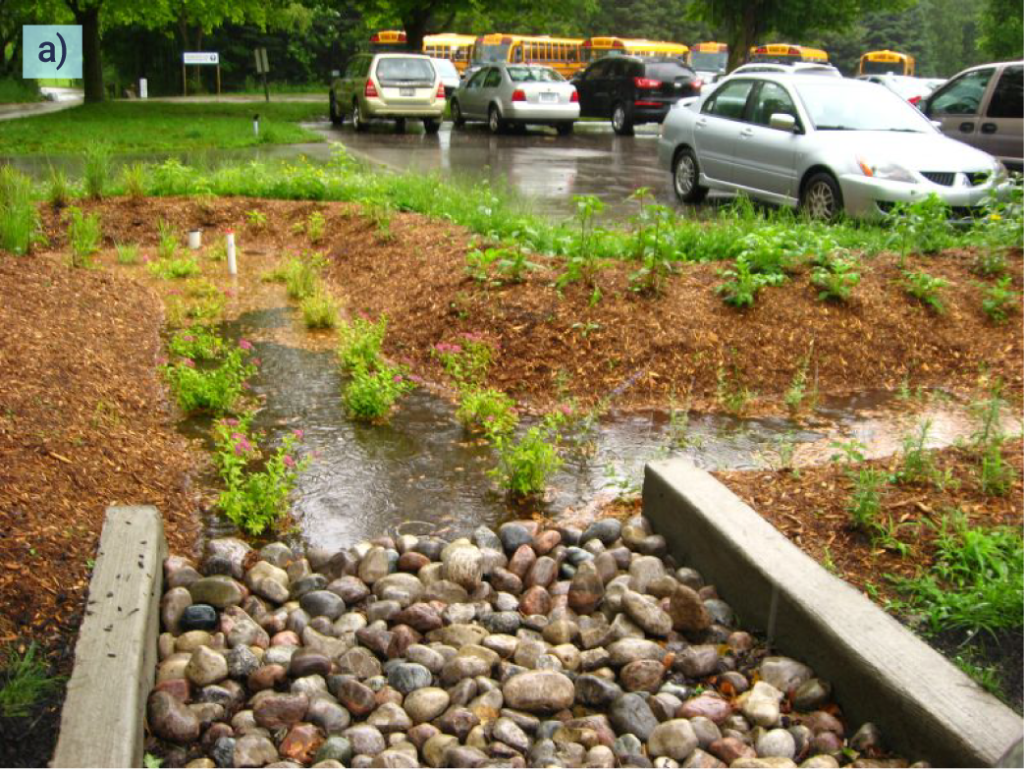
370, 90
440, 91
647, 83
575, 96
647, 104
697, 84
914, 100
519, 95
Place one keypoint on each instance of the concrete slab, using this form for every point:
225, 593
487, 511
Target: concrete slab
102, 724
880, 672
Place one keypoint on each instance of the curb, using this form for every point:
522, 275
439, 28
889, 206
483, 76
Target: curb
879, 670
103, 720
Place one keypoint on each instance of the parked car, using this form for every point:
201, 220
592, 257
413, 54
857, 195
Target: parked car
910, 88
984, 107
793, 68
449, 74
827, 146
630, 90
395, 86
507, 95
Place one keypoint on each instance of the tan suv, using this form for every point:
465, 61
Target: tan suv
984, 107
395, 86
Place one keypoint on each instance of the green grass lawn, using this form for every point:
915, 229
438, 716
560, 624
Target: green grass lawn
16, 90
138, 126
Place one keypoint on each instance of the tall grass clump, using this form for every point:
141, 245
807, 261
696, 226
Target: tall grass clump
133, 180
83, 236
97, 169
319, 310
19, 219
301, 275
58, 188
24, 682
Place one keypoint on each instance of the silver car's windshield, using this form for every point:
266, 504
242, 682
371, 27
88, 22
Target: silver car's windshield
534, 75
865, 108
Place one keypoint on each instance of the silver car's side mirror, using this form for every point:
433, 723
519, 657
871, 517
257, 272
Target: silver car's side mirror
936, 123
782, 121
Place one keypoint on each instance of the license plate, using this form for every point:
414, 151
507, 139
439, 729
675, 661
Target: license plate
406, 91
549, 97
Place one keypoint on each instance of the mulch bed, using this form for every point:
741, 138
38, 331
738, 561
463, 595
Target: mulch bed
810, 509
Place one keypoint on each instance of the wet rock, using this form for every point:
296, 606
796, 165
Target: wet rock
273, 710
198, 617
171, 719
463, 564
353, 694
761, 704
605, 530
730, 749
784, 674
776, 743
407, 677
687, 611
647, 614
365, 739
206, 666
697, 661
400, 587
586, 590
631, 714
374, 565
713, 707
329, 716
324, 603
426, 704
301, 743
390, 718
515, 534
253, 751
539, 691
446, 592
535, 601
811, 694
219, 591
308, 662
232, 551
645, 675
674, 739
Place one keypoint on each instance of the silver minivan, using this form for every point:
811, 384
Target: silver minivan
984, 107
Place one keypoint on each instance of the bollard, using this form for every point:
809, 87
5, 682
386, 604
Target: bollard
232, 265
256, 124
195, 239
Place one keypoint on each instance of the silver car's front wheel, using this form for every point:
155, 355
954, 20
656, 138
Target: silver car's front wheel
358, 123
822, 198
686, 177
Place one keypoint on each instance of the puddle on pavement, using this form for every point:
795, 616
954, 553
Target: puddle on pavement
422, 473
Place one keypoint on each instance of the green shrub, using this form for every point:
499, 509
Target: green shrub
83, 236
198, 343
167, 247
742, 286
319, 310
133, 180
1000, 300
922, 227
370, 395
127, 253
217, 389
487, 410
525, 464
359, 343
926, 288
19, 219
315, 226
302, 274
174, 269
836, 279
467, 360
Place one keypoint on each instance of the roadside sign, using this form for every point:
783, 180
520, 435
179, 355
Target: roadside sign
201, 58
262, 64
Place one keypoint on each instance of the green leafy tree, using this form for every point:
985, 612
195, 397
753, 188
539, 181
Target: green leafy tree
1002, 30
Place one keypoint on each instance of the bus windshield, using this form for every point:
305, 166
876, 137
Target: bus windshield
492, 52
709, 61
869, 67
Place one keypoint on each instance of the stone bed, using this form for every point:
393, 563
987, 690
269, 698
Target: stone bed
531, 647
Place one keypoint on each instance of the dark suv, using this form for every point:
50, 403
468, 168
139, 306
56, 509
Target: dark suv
631, 90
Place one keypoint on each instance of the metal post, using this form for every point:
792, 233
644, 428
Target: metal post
184, 79
218, 79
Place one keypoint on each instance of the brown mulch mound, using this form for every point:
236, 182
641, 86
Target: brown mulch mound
84, 424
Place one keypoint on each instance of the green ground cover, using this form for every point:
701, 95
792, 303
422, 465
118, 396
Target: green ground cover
16, 91
137, 126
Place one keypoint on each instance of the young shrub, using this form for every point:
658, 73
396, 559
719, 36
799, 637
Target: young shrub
582, 262
215, 390
174, 269
742, 286
255, 498
302, 274
127, 253
97, 169
197, 343
525, 464
1000, 300
256, 219
133, 180
922, 227
918, 465
167, 248
58, 188
359, 343
19, 219
732, 393
83, 236
488, 411
925, 288
467, 360
319, 310
371, 395
798, 387
836, 280
315, 226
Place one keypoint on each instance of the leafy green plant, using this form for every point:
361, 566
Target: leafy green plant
918, 463
25, 682
1000, 300
302, 274
19, 220
58, 188
922, 227
152, 761
127, 253
986, 676
487, 410
514, 263
257, 484
256, 219
742, 285
525, 464
133, 180
319, 310
167, 245
731, 392
582, 263
198, 301
836, 280
995, 474
798, 386
315, 226
479, 263
83, 236
170, 269
216, 389
380, 213
197, 343
370, 395
467, 360
360, 341
990, 263
924, 287
97, 169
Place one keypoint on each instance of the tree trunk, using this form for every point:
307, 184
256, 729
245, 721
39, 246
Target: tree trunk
743, 35
415, 30
92, 61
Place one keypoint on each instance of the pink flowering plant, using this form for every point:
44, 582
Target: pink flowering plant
215, 389
257, 483
466, 360
526, 463
487, 411
370, 395
359, 343
198, 343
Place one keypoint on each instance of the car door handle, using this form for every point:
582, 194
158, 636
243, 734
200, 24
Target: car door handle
966, 128
747, 132
701, 123
988, 128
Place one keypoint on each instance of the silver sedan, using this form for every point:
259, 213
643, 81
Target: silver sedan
824, 144
516, 95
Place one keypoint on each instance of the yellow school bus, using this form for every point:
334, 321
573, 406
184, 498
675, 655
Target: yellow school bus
783, 53
709, 57
388, 40
559, 53
450, 45
593, 48
880, 62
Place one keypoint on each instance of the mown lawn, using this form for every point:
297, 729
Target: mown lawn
137, 126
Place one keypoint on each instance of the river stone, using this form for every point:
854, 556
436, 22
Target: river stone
648, 615
399, 587
253, 751
240, 629
264, 570
586, 590
231, 549
426, 704
643, 570
206, 666
674, 739
241, 662
314, 640
504, 580
605, 530
328, 715
326, 603
374, 566
463, 565
335, 748
191, 640
720, 612
522, 561
353, 694
514, 534
697, 661
273, 709
776, 743
643, 675
306, 662
501, 622
173, 605
365, 739
301, 743
422, 616
784, 674
220, 591
626, 651
447, 592
406, 677
687, 611
631, 714
542, 572
761, 704
171, 719
539, 691
710, 706
350, 588
811, 694
198, 617
389, 718
535, 601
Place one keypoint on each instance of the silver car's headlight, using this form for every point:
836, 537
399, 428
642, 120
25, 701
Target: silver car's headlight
885, 169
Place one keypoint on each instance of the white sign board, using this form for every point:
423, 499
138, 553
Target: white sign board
201, 58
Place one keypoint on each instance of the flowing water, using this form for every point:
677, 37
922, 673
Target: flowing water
422, 473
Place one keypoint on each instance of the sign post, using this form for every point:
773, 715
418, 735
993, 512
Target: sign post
262, 68
198, 59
